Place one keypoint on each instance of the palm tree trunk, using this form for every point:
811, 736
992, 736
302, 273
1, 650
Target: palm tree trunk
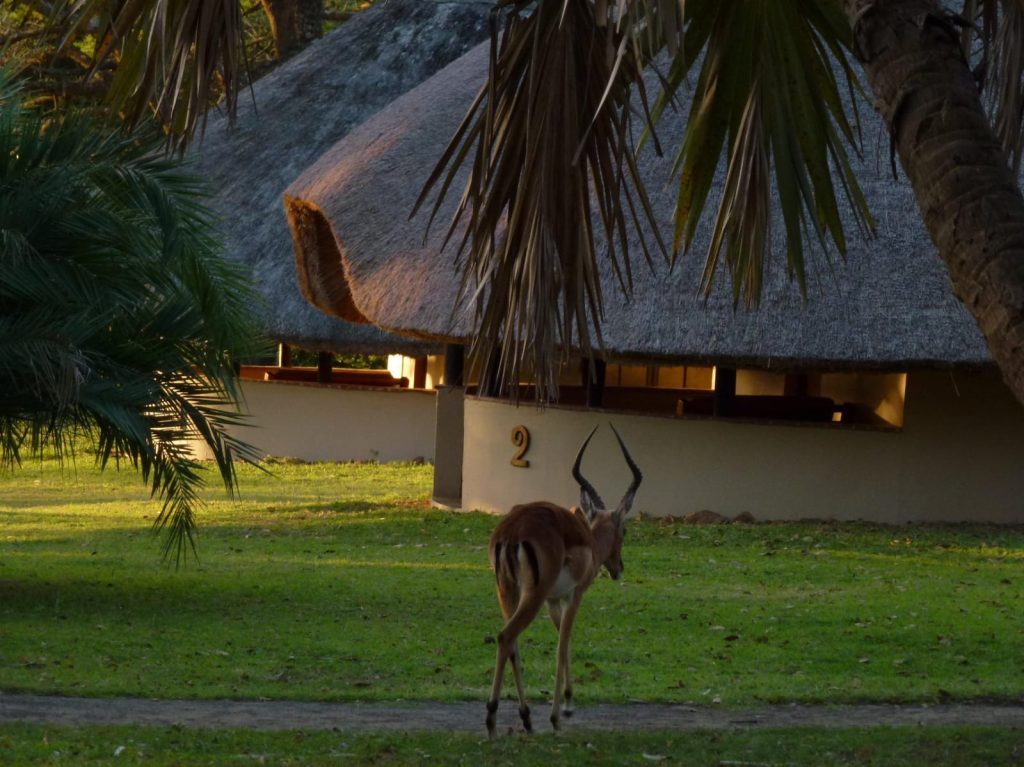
283, 16
969, 199
293, 24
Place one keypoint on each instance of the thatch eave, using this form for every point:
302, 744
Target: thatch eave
887, 306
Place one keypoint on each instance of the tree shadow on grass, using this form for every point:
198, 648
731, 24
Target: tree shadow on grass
336, 507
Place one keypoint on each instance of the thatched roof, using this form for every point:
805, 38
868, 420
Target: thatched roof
301, 109
888, 306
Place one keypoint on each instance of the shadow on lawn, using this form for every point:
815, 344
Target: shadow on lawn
42, 501
92, 570
150, 599
157, 594
334, 507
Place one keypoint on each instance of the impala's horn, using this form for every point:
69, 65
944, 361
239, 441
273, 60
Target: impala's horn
590, 501
626, 504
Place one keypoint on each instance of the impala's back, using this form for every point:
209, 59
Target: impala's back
515, 548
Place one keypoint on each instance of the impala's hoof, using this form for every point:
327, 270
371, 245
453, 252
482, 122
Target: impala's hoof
524, 714
492, 709
555, 723
567, 707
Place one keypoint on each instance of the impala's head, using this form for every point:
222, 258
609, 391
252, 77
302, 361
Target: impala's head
609, 526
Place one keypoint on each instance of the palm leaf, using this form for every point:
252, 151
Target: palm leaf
767, 96
118, 318
999, 26
172, 58
549, 136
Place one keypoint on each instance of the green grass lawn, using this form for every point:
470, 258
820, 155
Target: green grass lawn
879, 747
337, 582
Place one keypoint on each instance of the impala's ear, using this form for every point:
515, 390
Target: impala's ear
625, 511
587, 506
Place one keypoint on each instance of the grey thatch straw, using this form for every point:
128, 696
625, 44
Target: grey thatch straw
889, 305
297, 112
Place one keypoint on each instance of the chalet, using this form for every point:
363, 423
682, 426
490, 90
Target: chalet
875, 398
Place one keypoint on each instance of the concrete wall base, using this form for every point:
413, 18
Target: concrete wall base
328, 423
959, 457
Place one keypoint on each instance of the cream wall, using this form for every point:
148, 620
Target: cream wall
958, 457
322, 423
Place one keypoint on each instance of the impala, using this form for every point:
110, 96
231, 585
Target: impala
543, 553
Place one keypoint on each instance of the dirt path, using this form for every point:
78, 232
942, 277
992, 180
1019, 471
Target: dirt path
469, 717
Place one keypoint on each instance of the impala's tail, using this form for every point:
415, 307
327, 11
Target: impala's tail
510, 558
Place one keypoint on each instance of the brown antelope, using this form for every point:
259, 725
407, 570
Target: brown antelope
541, 553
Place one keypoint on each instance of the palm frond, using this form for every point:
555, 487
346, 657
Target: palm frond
169, 57
552, 160
549, 138
118, 317
998, 25
767, 98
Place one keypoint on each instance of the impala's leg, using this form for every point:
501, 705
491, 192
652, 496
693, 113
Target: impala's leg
507, 601
499, 673
562, 673
524, 614
517, 674
555, 609
507, 607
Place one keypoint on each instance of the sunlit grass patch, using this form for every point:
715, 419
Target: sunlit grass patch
338, 582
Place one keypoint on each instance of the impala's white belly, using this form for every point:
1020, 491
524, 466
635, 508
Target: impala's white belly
564, 586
